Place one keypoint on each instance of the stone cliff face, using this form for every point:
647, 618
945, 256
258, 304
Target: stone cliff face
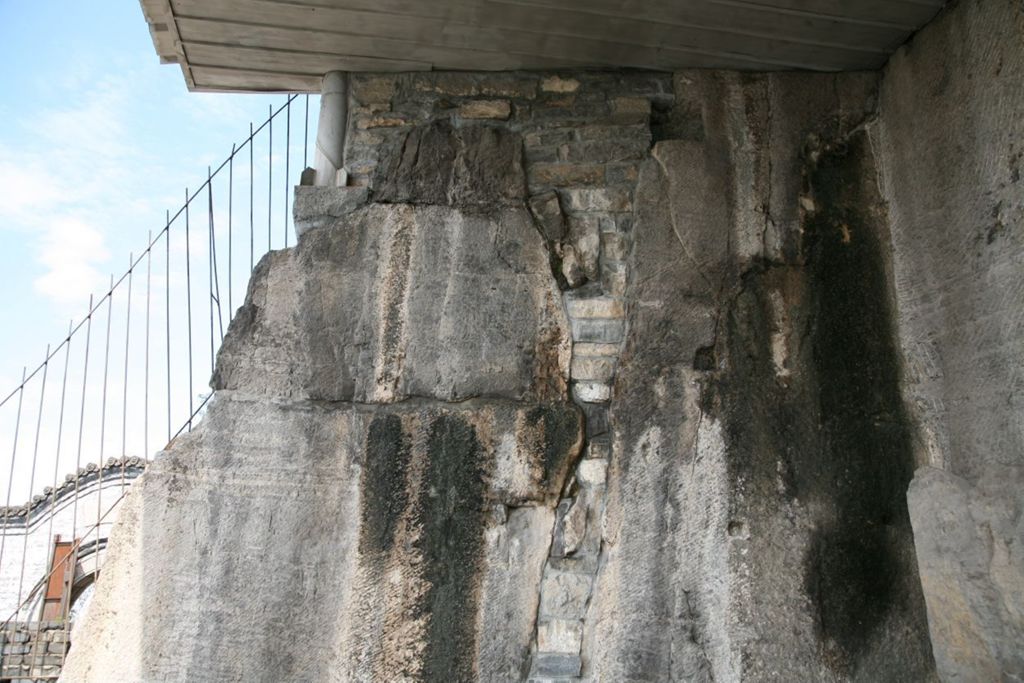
598, 376
389, 441
756, 516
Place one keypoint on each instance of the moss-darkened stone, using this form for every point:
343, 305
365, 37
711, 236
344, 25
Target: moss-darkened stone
383, 484
478, 167
831, 434
675, 121
561, 427
452, 514
862, 566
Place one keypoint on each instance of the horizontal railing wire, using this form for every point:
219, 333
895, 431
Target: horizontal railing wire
123, 364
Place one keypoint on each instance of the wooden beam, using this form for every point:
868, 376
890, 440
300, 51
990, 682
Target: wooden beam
220, 79
246, 35
708, 27
292, 61
909, 15
232, 44
461, 46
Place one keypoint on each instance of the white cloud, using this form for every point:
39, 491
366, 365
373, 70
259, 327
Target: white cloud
62, 184
71, 250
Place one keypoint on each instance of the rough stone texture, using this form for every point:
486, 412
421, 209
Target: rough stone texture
951, 133
548, 213
437, 164
316, 207
756, 526
32, 650
560, 635
377, 308
969, 552
379, 469
365, 531
782, 294
485, 109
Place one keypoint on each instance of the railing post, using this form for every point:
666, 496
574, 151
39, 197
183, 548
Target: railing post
329, 161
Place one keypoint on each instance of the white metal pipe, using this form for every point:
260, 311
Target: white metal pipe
329, 160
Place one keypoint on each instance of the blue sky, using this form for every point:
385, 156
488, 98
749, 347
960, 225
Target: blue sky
97, 140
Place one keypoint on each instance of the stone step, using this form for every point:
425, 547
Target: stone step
556, 665
596, 368
591, 392
594, 307
589, 349
606, 331
560, 636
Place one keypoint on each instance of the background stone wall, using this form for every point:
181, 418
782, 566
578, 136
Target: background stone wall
33, 651
951, 136
585, 136
615, 377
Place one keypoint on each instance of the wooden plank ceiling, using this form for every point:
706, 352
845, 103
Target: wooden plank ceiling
287, 45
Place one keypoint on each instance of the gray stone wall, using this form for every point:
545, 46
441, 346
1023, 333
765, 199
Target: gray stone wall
33, 651
585, 136
951, 135
613, 377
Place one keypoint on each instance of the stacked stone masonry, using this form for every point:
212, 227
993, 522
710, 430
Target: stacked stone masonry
585, 136
33, 651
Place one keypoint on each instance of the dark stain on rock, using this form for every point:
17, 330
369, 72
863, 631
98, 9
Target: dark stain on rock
452, 543
862, 565
419, 170
768, 427
476, 167
385, 496
704, 359
560, 443
674, 120
832, 436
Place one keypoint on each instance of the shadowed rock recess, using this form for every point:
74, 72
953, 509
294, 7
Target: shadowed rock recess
615, 376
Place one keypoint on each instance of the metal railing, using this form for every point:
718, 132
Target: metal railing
125, 377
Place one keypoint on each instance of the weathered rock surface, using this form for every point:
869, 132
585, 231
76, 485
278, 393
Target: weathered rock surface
969, 550
783, 294
317, 207
371, 494
477, 166
396, 301
316, 542
951, 134
756, 525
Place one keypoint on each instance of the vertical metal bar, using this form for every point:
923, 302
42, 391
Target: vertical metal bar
287, 164
305, 138
167, 315
145, 383
32, 476
14, 456
216, 272
231, 250
81, 423
127, 339
56, 472
211, 255
188, 286
60, 424
103, 414
252, 224
270, 173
